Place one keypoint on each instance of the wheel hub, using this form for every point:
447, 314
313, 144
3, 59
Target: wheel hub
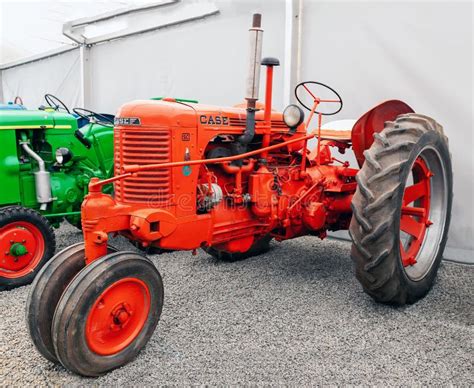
117, 316
423, 214
121, 315
18, 249
415, 212
21, 248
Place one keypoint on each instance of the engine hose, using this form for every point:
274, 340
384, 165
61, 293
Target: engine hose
240, 145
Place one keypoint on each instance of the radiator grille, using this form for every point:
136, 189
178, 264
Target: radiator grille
143, 147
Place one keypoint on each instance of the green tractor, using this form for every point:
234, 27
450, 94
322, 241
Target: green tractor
47, 157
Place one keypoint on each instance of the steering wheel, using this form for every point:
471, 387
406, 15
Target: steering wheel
18, 100
307, 86
55, 103
97, 117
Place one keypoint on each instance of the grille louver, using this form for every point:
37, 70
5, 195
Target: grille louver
140, 146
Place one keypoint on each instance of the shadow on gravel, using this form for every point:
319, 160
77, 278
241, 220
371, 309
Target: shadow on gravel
295, 315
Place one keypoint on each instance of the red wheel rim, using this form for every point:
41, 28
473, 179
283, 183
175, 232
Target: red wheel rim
117, 316
415, 212
22, 247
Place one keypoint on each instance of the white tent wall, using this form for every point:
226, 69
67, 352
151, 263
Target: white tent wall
58, 75
204, 60
420, 52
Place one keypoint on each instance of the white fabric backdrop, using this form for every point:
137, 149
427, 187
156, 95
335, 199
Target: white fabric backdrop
58, 75
204, 60
369, 51
419, 52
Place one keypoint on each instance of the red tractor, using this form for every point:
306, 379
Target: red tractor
229, 180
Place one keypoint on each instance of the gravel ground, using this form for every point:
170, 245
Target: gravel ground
295, 315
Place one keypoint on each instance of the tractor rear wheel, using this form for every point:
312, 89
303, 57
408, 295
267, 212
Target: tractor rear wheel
46, 291
107, 313
259, 247
401, 210
27, 242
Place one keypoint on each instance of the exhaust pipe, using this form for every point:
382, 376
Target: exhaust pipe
255, 56
42, 179
253, 85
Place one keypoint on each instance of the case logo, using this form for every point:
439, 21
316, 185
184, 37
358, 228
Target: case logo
213, 120
127, 121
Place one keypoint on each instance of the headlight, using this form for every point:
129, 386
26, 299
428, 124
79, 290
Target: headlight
293, 116
63, 155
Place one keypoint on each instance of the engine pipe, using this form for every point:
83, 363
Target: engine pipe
95, 184
147, 167
269, 63
230, 169
304, 195
268, 102
237, 171
253, 84
255, 55
42, 178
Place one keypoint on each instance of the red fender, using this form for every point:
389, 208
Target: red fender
372, 122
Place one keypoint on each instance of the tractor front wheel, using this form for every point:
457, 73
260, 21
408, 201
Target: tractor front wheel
46, 291
401, 210
27, 242
107, 313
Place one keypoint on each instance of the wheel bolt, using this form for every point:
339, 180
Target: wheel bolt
121, 315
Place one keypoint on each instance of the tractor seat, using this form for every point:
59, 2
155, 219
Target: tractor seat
339, 130
335, 134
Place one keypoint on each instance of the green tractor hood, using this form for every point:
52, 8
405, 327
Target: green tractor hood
29, 119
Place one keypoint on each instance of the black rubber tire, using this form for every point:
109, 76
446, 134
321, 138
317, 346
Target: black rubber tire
70, 317
18, 213
259, 247
376, 205
45, 293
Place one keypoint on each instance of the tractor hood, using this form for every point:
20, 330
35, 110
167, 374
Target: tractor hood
172, 112
147, 113
31, 119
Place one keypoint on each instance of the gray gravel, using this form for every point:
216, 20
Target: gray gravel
295, 315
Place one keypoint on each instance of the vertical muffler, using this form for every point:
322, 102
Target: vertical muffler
253, 85
255, 56
42, 178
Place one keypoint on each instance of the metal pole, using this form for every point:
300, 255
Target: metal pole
1, 86
293, 48
287, 71
84, 55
